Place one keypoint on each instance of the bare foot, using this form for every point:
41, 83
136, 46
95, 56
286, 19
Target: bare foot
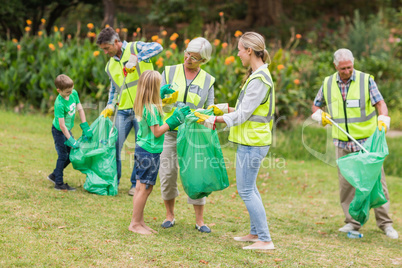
148, 228
139, 229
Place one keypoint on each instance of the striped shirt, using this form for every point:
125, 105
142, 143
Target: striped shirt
375, 97
145, 52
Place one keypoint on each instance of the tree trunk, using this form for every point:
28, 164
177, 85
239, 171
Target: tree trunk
264, 12
109, 10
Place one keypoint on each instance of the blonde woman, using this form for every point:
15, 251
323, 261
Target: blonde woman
250, 125
149, 145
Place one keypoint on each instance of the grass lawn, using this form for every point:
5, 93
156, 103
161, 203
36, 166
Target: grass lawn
44, 227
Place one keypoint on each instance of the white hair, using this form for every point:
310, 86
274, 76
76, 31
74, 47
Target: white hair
201, 46
343, 54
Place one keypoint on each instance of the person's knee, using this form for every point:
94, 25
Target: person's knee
245, 194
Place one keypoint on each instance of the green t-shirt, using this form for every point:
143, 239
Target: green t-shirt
65, 109
145, 138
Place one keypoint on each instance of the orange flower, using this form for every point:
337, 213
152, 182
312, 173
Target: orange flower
164, 33
221, 14
217, 42
60, 44
124, 30
168, 54
90, 26
56, 29
117, 30
18, 47
29, 22
154, 38
160, 41
298, 36
159, 62
107, 26
280, 67
186, 42
43, 20
15, 40
174, 36
52, 47
238, 34
61, 29
173, 46
224, 45
91, 34
138, 30
296, 81
69, 36
229, 60
96, 53
135, 34
27, 29
40, 33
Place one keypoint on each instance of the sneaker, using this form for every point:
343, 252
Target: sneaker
167, 224
264, 247
52, 178
347, 228
391, 232
131, 191
203, 229
242, 239
64, 187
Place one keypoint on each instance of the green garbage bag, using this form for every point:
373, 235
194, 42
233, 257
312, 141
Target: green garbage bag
199, 153
96, 158
363, 171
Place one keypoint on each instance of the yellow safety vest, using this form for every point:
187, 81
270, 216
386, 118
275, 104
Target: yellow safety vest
356, 115
256, 131
114, 70
194, 95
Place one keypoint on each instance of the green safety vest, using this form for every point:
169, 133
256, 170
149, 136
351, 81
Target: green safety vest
114, 70
256, 131
194, 95
356, 115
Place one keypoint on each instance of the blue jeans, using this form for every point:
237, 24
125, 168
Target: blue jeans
125, 121
63, 153
146, 166
248, 161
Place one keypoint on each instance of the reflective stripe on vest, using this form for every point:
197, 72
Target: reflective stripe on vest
201, 83
256, 131
204, 85
114, 70
360, 118
269, 116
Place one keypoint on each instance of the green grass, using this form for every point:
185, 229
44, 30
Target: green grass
43, 227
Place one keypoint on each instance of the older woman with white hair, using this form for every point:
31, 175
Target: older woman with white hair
194, 87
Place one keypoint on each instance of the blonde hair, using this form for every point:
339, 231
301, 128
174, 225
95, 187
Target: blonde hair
63, 82
256, 42
148, 93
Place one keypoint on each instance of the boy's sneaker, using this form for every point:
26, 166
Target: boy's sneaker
64, 187
52, 178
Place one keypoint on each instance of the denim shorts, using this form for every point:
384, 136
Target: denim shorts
146, 166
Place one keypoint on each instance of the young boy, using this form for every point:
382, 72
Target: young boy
65, 106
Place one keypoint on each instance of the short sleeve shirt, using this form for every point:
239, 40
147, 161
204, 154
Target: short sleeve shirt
65, 109
145, 138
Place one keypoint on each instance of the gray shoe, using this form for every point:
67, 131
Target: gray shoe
131, 191
167, 224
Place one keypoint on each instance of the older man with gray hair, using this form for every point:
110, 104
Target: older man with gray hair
126, 60
352, 98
